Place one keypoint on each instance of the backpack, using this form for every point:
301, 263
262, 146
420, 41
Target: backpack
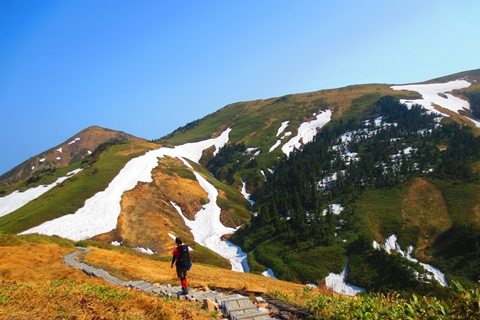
183, 256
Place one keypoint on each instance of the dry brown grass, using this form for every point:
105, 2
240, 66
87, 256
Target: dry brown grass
200, 276
424, 206
35, 284
76, 300
36, 262
143, 268
147, 217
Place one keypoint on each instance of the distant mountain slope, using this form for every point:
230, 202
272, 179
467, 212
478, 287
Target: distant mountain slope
68, 152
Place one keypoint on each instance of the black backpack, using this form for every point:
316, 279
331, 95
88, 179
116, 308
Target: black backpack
183, 257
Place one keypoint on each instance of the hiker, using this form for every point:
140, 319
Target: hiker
181, 258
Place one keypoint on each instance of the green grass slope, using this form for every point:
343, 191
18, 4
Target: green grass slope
69, 196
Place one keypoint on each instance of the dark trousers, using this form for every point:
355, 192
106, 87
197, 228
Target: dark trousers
182, 274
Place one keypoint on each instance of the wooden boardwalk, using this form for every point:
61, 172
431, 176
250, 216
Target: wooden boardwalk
236, 306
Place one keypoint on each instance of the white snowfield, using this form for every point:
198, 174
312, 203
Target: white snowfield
307, 131
438, 94
207, 229
337, 283
392, 245
18, 199
100, 213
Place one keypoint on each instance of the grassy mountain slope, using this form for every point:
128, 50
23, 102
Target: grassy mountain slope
70, 195
255, 123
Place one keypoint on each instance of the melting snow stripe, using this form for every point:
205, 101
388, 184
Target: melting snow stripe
18, 199
306, 132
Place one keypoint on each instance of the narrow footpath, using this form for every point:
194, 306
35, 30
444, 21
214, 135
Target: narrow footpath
235, 306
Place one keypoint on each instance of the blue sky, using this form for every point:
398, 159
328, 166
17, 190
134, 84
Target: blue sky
149, 67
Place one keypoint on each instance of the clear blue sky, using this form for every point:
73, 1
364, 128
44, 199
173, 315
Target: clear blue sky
149, 67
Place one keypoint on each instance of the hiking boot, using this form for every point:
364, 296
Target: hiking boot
185, 290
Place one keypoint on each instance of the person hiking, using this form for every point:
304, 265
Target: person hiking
181, 258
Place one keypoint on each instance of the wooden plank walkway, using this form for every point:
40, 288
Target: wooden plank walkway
236, 306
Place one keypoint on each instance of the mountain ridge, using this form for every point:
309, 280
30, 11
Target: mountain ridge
72, 150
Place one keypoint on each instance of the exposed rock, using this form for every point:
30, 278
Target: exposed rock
209, 305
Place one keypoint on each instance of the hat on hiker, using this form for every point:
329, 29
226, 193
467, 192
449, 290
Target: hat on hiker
178, 240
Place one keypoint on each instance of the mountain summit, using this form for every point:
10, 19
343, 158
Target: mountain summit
70, 151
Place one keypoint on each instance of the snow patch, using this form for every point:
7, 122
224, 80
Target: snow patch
18, 199
208, 230
73, 141
335, 208
392, 245
269, 274
306, 132
143, 250
438, 94
263, 174
244, 192
282, 127
337, 283
275, 145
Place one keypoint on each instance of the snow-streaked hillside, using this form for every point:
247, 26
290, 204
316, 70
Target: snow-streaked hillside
391, 245
207, 229
438, 94
18, 199
100, 213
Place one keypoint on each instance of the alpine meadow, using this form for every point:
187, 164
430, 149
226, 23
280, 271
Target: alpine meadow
356, 202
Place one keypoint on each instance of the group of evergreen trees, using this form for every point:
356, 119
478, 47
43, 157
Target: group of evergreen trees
293, 192
391, 145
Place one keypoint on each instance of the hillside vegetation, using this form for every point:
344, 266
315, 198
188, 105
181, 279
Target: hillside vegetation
383, 161
36, 284
256, 123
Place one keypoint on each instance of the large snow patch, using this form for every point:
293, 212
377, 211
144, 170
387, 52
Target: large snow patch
438, 94
100, 213
306, 132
